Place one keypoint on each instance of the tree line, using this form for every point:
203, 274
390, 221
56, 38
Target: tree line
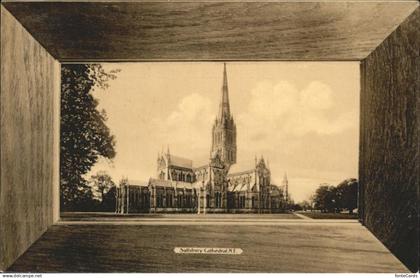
328, 198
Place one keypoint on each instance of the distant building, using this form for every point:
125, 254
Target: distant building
218, 186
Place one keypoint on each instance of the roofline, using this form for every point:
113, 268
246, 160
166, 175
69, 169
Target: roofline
240, 173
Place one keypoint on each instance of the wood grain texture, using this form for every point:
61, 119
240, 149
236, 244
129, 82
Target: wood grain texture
26, 134
111, 31
346, 247
389, 150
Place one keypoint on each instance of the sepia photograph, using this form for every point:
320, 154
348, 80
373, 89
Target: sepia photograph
209, 137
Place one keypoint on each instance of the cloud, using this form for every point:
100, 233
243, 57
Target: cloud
188, 126
316, 96
269, 102
191, 109
286, 111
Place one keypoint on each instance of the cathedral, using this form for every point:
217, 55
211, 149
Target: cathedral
216, 187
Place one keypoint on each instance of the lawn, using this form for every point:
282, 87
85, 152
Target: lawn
91, 216
328, 215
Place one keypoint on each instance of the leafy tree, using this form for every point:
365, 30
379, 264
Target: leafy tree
297, 207
102, 182
325, 198
84, 134
305, 205
329, 198
347, 192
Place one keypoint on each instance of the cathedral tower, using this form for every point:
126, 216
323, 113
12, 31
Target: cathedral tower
224, 128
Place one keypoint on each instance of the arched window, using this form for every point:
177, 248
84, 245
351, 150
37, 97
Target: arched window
220, 200
242, 201
168, 200
188, 201
179, 201
159, 200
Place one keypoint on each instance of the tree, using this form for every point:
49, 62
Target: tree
348, 194
305, 205
329, 198
325, 198
102, 182
84, 134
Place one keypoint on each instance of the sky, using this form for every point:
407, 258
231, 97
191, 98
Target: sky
303, 117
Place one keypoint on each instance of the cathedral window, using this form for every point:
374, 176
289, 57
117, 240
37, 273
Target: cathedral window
188, 201
169, 200
144, 200
159, 201
241, 201
179, 200
218, 199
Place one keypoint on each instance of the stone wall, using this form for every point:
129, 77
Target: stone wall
389, 154
29, 77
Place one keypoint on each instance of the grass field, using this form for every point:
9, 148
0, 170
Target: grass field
325, 215
109, 216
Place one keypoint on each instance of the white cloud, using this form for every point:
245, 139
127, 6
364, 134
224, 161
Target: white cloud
188, 127
316, 96
269, 102
283, 110
191, 109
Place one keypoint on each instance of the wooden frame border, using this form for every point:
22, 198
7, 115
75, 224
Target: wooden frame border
55, 193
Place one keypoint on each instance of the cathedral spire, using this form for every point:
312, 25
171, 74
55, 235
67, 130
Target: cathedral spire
224, 108
224, 128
